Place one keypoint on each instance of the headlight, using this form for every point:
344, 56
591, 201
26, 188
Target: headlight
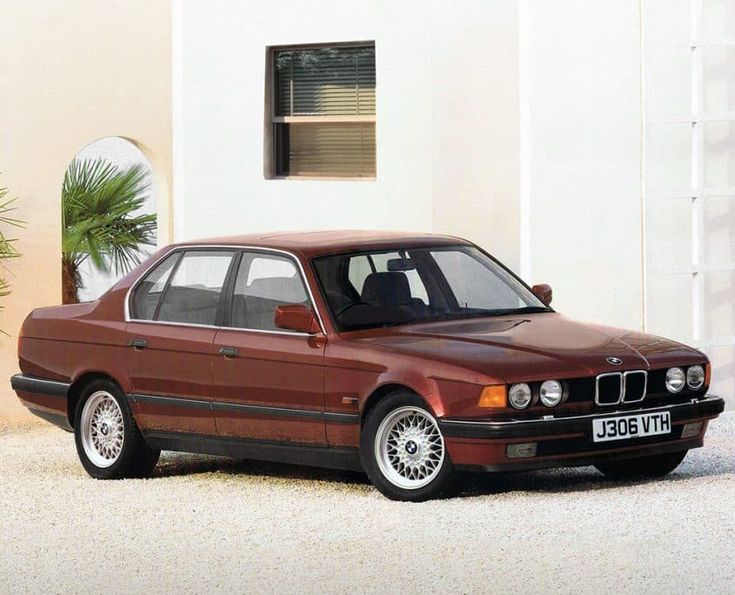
551, 393
675, 380
695, 377
519, 395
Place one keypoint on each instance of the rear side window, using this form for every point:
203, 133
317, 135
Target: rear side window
148, 292
185, 290
264, 282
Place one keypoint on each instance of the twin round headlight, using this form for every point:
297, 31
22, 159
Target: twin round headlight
676, 378
551, 393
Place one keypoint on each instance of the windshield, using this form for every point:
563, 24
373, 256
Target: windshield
401, 286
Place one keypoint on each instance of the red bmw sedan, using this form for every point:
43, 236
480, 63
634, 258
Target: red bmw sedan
406, 356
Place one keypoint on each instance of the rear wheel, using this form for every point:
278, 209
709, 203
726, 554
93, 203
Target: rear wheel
403, 450
109, 443
653, 466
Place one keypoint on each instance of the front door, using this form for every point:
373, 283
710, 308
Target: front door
174, 312
268, 383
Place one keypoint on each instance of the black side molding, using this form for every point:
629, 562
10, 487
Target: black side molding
249, 409
40, 386
173, 401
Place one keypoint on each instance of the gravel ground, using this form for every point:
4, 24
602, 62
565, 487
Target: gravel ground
204, 524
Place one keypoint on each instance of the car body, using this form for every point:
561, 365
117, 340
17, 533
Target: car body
356, 350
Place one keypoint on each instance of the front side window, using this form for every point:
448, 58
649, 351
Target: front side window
264, 282
185, 288
323, 111
392, 287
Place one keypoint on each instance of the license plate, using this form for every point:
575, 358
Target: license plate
631, 426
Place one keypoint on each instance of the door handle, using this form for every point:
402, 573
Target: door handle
229, 352
138, 343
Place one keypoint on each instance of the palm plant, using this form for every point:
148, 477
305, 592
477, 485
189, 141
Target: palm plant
7, 245
100, 221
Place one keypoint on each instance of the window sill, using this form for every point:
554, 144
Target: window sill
326, 178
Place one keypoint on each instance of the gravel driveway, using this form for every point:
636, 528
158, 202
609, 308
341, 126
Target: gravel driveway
205, 524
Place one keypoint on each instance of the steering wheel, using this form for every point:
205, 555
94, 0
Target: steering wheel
346, 307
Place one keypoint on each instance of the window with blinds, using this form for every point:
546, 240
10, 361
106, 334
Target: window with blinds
324, 111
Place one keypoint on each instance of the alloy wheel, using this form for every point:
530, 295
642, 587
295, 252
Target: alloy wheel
103, 429
409, 448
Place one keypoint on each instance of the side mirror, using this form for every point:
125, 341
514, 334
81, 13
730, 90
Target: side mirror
296, 317
543, 292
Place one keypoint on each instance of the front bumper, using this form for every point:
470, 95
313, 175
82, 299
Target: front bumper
567, 441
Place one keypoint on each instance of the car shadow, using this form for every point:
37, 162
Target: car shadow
561, 480
176, 464
575, 479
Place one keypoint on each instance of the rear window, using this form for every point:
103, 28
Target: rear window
184, 288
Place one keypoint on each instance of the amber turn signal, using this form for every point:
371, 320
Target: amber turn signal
495, 395
707, 373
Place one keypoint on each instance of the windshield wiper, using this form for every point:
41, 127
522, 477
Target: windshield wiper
524, 310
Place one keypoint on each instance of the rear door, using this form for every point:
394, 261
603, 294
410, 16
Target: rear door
268, 383
174, 314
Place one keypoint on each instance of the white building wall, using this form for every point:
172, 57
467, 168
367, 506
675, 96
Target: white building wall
475, 124
689, 118
582, 156
517, 124
447, 119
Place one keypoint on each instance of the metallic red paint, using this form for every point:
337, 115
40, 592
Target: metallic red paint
317, 385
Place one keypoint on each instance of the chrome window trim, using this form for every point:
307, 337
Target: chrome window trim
276, 251
621, 395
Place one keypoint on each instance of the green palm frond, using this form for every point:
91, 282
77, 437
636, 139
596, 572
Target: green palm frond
99, 220
7, 245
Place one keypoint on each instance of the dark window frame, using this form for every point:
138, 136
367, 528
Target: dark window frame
275, 125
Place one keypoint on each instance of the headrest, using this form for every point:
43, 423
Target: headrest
386, 289
282, 289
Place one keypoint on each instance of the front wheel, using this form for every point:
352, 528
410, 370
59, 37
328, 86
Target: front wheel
403, 450
651, 466
109, 443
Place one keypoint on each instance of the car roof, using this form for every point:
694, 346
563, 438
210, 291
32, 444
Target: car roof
317, 243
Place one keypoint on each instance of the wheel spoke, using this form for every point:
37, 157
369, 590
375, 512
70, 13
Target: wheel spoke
409, 447
102, 429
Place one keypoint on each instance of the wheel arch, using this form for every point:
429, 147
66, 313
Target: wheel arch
393, 386
77, 388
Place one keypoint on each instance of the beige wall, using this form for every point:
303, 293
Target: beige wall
72, 72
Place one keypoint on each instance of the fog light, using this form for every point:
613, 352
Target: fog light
691, 430
521, 450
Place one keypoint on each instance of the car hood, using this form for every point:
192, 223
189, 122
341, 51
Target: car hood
534, 346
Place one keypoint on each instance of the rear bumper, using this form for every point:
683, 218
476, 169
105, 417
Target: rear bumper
45, 398
567, 441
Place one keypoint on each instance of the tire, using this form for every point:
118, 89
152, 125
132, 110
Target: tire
652, 466
109, 443
403, 451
